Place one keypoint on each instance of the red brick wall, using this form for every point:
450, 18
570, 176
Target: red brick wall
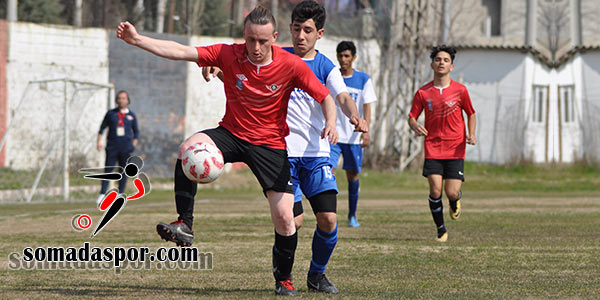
3, 98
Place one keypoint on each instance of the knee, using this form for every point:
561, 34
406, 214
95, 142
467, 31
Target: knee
351, 175
183, 147
435, 193
284, 224
298, 221
452, 195
326, 221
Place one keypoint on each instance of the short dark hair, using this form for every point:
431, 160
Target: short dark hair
437, 49
307, 10
261, 15
121, 92
346, 45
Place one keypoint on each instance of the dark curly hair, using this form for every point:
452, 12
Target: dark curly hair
307, 10
443, 48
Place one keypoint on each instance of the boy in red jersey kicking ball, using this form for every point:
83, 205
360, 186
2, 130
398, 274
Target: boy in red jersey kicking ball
259, 78
443, 101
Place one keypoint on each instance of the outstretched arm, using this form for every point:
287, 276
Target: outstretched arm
349, 109
163, 48
330, 113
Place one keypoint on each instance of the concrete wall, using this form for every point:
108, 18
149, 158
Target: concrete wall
590, 105
37, 52
157, 88
3, 98
496, 91
205, 102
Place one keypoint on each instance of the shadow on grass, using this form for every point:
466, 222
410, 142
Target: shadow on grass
107, 290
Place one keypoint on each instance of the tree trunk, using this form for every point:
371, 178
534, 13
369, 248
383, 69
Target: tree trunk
160, 16
77, 13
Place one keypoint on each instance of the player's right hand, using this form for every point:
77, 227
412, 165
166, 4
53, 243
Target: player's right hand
99, 146
127, 33
420, 130
211, 72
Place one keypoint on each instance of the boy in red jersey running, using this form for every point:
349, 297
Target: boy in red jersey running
258, 78
443, 101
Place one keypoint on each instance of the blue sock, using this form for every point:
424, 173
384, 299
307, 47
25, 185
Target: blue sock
352, 198
322, 247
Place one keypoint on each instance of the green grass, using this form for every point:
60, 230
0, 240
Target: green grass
538, 243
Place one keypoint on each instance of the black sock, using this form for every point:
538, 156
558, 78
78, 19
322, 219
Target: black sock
453, 202
283, 255
185, 190
437, 212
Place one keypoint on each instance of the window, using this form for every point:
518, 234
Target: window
540, 98
493, 20
568, 103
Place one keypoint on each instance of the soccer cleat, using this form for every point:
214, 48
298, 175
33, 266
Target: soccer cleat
455, 211
285, 288
319, 283
352, 222
177, 232
443, 238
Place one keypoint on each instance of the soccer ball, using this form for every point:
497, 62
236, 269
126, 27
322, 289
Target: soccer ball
202, 163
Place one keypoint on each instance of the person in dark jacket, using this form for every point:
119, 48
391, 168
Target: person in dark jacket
121, 140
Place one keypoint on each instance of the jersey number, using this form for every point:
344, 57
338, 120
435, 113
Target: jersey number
327, 171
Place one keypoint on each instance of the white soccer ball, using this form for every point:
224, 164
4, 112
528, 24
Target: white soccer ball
202, 163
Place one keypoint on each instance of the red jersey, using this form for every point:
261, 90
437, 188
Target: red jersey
446, 137
257, 96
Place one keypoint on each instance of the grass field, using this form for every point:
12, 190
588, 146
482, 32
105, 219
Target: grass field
526, 233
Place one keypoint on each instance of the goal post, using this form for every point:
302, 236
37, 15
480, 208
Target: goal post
51, 133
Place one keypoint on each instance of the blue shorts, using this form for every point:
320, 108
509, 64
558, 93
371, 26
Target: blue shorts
353, 155
311, 176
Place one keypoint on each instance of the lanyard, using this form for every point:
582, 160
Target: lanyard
121, 116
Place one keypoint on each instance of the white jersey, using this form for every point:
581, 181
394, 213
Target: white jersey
305, 117
361, 90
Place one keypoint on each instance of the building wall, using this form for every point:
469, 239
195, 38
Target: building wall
3, 92
496, 91
158, 91
41, 52
590, 105
205, 101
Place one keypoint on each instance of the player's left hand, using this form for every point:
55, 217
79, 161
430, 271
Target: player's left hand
360, 124
330, 132
135, 142
471, 139
365, 138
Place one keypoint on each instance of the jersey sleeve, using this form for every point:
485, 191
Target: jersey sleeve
104, 122
417, 106
335, 82
467, 106
369, 92
305, 79
210, 55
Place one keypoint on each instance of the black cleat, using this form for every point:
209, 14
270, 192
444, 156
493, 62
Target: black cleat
319, 283
177, 232
285, 288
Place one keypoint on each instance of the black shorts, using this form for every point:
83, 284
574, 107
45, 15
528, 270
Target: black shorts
270, 166
448, 168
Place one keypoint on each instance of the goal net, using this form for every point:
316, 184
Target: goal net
51, 134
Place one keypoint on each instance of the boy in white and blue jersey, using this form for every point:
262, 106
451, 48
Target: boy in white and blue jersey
308, 152
350, 143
